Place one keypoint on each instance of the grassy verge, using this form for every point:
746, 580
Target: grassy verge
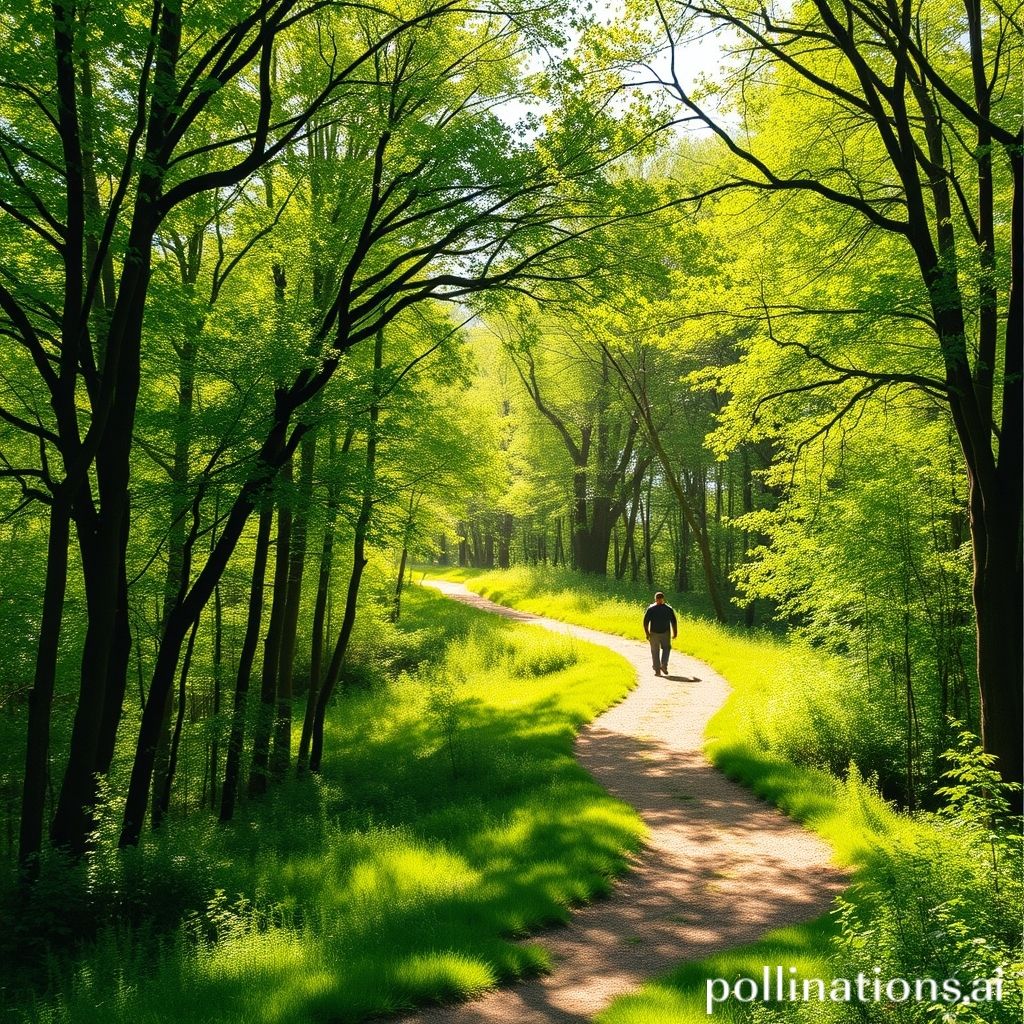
774, 683
450, 818
681, 997
932, 896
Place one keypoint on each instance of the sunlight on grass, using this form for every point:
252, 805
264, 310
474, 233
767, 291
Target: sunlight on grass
681, 997
750, 735
444, 973
451, 817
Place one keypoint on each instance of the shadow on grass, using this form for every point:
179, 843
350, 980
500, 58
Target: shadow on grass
439, 832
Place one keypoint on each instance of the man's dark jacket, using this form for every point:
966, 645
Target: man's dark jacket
659, 618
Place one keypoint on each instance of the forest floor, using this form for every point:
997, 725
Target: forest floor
719, 869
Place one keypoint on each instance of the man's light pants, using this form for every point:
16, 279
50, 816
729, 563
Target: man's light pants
661, 644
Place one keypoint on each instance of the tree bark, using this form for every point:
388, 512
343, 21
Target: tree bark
297, 562
748, 507
396, 603
355, 577
258, 772
37, 748
236, 739
218, 679
322, 596
505, 540
165, 795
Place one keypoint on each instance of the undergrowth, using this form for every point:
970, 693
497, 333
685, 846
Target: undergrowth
450, 819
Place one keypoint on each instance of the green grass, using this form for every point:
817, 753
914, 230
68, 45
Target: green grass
682, 997
774, 683
786, 731
451, 818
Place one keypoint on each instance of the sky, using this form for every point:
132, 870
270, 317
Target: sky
694, 60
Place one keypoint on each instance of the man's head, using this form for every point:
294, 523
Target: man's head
659, 598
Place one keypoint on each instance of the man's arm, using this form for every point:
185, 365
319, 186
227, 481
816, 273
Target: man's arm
675, 627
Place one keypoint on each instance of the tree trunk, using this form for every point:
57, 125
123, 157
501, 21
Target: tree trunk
748, 507
271, 655
161, 763
648, 543
218, 670
729, 514
102, 549
117, 678
322, 596
998, 577
236, 739
165, 795
296, 569
997, 605
358, 564
718, 520
592, 536
684, 554
559, 553
37, 749
396, 603
505, 540
629, 545
180, 502
995, 501
477, 554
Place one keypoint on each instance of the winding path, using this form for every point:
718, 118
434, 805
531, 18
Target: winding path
719, 869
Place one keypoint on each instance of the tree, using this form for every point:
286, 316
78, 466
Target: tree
442, 200
923, 147
598, 434
159, 77
868, 556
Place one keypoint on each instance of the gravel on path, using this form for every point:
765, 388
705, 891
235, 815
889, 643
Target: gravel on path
719, 869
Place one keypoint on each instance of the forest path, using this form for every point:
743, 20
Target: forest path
719, 869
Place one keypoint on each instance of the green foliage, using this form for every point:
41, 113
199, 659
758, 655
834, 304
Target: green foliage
445, 707
975, 792
947, 902
391, 880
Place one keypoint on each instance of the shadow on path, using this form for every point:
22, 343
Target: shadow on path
719, 869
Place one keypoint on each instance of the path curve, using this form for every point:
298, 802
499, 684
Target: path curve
720, 867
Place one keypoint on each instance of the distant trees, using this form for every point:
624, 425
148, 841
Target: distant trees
839, 281
600, 437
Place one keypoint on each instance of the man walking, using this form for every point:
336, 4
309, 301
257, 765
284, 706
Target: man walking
660, 628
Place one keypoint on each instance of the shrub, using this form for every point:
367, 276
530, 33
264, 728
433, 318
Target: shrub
948, 903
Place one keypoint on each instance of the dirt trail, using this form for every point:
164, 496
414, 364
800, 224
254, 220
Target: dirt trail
719, 869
